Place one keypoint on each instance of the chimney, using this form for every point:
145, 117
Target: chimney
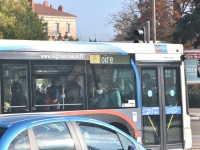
31, 3
51, 6
45, 3
61, 8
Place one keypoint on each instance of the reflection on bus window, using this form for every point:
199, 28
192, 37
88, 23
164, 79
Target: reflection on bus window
58, 87
193, 95
173, 100
149, 87
171, 87
151, 123
110, 86
15, 87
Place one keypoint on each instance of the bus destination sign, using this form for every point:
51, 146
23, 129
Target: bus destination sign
109, 59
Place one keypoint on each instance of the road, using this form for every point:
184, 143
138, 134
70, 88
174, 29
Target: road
195, 125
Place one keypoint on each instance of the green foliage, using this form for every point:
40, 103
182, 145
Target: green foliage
19, 21
72, 39
188, 31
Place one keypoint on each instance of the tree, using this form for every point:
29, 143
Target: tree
188, 31
18, 21
124, 20
166, 16
135, 14
72, 39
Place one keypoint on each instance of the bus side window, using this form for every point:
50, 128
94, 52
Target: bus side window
120, 79
15, 87
114, 95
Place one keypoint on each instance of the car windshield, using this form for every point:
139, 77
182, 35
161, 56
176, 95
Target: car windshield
2, 130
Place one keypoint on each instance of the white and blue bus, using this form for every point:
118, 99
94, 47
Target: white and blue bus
139, 88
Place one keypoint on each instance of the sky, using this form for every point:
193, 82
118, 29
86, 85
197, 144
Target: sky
92, 16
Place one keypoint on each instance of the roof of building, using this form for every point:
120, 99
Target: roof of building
48, 11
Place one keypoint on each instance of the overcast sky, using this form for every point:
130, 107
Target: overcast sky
92, 16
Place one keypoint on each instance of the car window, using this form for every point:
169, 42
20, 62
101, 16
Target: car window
20, 142
2, 130
53, 136
126, 142
97, 137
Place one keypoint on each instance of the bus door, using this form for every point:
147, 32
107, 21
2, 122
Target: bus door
161, 106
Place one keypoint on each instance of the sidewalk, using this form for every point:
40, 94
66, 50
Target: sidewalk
194, 113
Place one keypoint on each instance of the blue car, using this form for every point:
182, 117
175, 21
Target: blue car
45, 132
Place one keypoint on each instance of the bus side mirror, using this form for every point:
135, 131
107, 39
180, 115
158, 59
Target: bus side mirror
198, 68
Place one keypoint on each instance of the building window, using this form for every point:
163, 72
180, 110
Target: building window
56, 28
67, 27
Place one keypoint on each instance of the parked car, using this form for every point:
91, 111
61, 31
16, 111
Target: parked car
45, 132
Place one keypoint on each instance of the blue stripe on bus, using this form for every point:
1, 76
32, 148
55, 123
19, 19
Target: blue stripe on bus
138, 83
15, 47
103, 44
32, 45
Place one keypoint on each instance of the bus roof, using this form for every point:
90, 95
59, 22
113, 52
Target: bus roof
89, 47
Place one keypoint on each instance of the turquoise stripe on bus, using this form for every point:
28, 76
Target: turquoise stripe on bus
138, 83
14, 47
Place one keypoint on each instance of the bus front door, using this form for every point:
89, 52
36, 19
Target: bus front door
161, 107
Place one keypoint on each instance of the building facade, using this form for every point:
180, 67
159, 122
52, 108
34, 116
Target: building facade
61, 25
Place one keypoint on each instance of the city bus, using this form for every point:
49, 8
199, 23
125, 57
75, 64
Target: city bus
139, 88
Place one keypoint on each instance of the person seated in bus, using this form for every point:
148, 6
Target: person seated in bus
74, 94
38, 99
17, 98
128, 93
146, 82
114, 95
55, 92
101, 99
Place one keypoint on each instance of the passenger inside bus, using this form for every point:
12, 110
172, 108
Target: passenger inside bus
146, 82
18, 98
55, 92
126, 89
147, 86
114, 95
101, 98
74, 93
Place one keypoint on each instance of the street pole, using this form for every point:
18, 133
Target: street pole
154, 21
148, 32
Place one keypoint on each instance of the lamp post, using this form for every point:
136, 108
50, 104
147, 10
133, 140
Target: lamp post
154, 21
